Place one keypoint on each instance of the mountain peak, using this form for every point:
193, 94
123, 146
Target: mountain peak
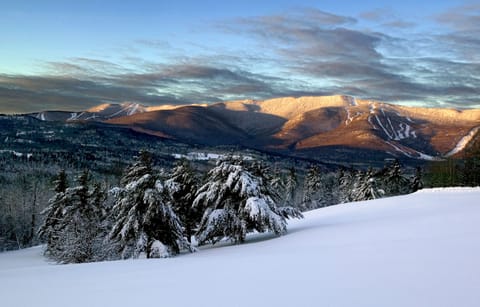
319, 126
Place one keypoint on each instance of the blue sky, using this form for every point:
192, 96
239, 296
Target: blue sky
71, 55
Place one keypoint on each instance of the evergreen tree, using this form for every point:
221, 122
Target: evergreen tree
291, 185
237, 202
345, 185
393, 180
367, 187
76, 225
79, 227
98, 198
358, 180
312, 186
273, 181
144, 221
416, 181
52, 225
277, 185
141, 166
328, 193
182, 186
61, 183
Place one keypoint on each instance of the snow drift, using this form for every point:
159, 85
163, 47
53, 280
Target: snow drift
415, 250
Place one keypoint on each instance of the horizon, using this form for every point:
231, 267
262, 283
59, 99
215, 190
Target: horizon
62, 55
153, 106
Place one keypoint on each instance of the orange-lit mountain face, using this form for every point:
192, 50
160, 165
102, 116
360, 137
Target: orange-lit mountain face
316, 127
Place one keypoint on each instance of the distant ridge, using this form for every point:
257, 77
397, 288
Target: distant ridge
306, 126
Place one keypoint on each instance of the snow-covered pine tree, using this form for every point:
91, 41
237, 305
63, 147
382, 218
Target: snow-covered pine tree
367, 188
52, 225
393, 180
272, 184
291, 184
312, 186
358, 180
277, 185
328, 193
144, 221
82, 217
416, 181
273, 181
182, 186
76, 223
101, 210
345, 185
61, 182
80, 224
237, 202
141, 166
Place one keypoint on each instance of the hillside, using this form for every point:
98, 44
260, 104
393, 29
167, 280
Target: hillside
321, 127
415, 250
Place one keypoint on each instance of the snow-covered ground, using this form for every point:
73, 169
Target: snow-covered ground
416, 250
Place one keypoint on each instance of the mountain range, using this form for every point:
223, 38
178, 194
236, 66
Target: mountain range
325, 127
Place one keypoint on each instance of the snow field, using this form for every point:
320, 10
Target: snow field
415, 250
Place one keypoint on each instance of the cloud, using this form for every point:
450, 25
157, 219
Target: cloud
378, 14
461, 39
301, 52
373, 64
78, 85
399, 24
35, 93
461, 18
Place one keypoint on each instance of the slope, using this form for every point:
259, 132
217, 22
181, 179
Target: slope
311, 127
415, 250
192, 124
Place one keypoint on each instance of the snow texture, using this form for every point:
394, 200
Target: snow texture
413, 250
203, 156
463, 142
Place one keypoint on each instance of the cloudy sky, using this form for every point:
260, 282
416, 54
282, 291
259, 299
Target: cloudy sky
71, 55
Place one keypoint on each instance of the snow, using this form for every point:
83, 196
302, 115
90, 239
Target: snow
133, 109
16, 153
73, 116
204, 156
351, 117
128, 109
414, 250
404, 131
159, 250
413, 153
423, 156
463, 142
383, 128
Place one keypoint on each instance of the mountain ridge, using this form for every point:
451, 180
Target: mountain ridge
302, 126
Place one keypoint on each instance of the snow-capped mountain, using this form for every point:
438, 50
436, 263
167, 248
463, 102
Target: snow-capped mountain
318, 127
101, 112
98, 113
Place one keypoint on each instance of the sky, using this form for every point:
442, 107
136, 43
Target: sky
72, 55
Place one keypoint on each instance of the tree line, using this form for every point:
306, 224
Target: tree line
103, 206
158, 215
